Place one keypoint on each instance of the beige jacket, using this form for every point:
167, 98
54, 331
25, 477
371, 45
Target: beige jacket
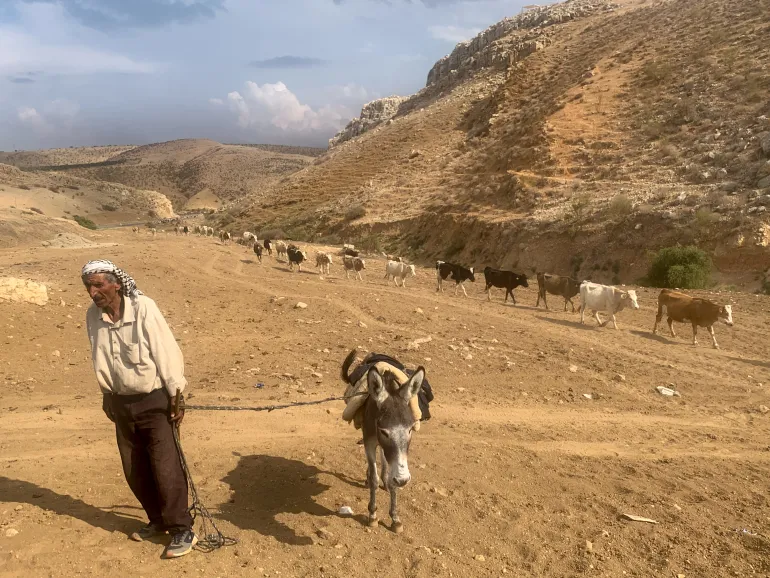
138, 353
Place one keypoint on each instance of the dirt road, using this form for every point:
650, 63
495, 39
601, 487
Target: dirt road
517, 472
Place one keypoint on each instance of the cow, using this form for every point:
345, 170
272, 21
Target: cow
268, 244
186, 230
153, 231
507, 280
459, 273
399, 270
209, 231
700, 312
347, 251
134, 229
296, 256
605, 298
323, 261
179, 230
224, 236
356, 264
258, 251
280, 248
249, 238
567, 287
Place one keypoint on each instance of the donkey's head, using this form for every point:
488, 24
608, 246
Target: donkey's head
395, 421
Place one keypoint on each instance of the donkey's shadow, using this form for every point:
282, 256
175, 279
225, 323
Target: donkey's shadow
266, 487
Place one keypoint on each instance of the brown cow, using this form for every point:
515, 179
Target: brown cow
567, 287
699, 312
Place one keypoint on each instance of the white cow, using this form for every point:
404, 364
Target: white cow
605, 298
399, 270
249, 239
323, 261
281, 248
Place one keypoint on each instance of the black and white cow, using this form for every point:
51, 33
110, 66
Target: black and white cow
459, 273
507, 280
269, 246
296, 256
258, 251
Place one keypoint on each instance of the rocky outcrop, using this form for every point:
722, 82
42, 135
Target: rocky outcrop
495, 47
500, 46
22, 291
372, 114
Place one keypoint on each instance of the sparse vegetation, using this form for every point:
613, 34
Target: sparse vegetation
25, 187
109, 208
84, 222
355, 212
272, 234
680, 267
621, 206
36, 210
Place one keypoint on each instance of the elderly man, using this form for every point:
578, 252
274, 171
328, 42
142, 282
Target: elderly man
140, 367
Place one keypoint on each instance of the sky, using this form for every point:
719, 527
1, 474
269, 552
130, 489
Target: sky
99, 72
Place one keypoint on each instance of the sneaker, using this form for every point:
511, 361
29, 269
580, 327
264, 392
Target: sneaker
182, 543
146, 532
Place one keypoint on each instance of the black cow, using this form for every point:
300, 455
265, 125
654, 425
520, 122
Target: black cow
258, 251
459, 273
507, 280
296, 257
186, 230
269, 246
350, 252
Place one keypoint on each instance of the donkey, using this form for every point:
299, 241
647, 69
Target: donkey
388, 422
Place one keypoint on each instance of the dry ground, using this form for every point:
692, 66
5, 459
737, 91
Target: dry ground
516, 471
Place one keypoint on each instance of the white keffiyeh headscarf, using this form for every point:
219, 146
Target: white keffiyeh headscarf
128, 285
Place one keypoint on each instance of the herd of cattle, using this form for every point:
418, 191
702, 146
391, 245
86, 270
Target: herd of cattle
595, 297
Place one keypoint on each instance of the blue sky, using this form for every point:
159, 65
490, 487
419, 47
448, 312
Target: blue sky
87, 72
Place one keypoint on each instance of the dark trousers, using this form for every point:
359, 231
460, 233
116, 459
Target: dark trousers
150, 459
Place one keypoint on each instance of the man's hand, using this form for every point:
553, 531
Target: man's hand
176, 416
107, 407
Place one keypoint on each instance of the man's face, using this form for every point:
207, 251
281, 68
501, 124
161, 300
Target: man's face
101, 288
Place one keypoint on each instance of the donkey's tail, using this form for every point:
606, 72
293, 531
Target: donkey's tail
346, 366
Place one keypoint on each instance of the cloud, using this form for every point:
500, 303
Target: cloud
31, 117
61, 110
288, 62
216, 101
452, 33
21, 52
114, 14
275, 105
21, 80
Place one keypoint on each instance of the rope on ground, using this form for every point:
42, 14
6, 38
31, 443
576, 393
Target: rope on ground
210, 538
272, 407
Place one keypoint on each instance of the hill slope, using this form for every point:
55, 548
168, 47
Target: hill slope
627, 125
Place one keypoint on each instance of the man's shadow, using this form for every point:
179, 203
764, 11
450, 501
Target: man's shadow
28, 493
265, 487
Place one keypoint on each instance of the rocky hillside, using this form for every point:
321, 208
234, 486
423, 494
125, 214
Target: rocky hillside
575, 138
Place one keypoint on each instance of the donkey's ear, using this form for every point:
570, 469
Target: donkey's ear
413, 385
376, 386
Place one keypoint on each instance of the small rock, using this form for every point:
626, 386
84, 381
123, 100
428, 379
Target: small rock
460, 389
56, 353
62, 303
764, 408
440, 491
637, 226
325, 534
589, 546
345, 511
677, 507
479, 558
317, 375
362, 325
419, 311
18, 508
300, 305
588, 396
11, 532
573, 368
620, 377
414, 154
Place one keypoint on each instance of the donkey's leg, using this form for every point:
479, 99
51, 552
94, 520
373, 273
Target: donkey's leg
383, 470
397, 526
370, 447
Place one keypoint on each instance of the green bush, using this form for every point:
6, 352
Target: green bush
621, 206
682, 267
84, 222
